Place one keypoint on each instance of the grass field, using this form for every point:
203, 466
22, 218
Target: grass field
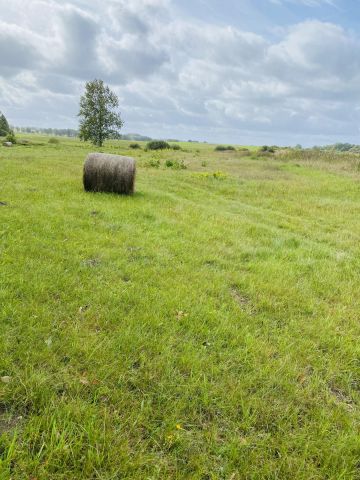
205, 328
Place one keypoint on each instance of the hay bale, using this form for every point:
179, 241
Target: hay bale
109, 173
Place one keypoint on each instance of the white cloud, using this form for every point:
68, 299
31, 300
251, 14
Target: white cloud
177, 76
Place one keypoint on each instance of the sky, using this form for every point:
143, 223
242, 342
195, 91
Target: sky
255, 72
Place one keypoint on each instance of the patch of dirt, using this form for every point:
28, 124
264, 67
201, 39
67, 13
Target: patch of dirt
242, 300
212, 264
8, 422
134, 249
341, 397
91, 262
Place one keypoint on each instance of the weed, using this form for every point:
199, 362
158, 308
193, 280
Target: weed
217, 175
175, 164
153, 162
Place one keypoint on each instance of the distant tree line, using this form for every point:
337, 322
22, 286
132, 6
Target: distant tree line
343, 147
69, 132
63, 132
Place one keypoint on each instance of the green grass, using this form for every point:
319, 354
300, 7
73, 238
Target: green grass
205, 328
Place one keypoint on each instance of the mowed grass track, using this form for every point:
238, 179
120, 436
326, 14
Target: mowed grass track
205, 328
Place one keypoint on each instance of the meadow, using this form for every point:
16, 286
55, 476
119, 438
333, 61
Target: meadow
205, 328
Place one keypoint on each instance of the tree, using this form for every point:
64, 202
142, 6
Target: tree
4, 126
99, 119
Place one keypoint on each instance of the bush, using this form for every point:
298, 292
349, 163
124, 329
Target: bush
175, 164
10, 137
134, 146
223, 148
157, 145
267, 149
54, 141
153, 162
176, 147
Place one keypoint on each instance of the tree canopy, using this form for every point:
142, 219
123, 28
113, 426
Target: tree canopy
4, 126
99, 119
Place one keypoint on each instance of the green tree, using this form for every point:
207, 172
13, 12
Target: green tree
99, 119
4, 126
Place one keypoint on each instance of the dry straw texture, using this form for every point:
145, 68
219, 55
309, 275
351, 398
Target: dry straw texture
109, 173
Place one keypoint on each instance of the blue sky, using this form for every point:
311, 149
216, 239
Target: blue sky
263, 15
286, 12
246, 71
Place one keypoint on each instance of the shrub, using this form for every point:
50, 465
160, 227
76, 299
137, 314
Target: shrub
267, 149
203, 163
175, 147
181, 165
175, 164
10, 137
223, 148
54, 141
157, 145
153, 162
134, 146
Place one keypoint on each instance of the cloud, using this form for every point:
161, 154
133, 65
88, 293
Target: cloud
18, 49
178, 76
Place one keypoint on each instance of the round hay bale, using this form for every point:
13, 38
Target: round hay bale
109, 173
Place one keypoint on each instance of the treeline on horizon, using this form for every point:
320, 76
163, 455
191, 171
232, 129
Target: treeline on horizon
70, 132
342, 147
